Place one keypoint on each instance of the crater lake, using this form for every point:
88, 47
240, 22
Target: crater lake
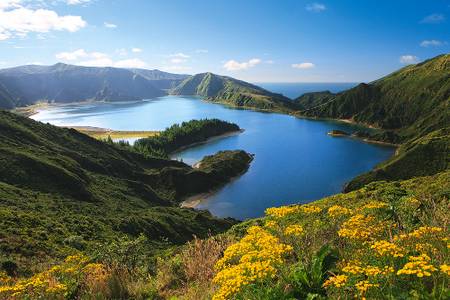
295, 160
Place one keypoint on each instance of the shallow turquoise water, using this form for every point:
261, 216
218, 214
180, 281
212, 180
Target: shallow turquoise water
295, 160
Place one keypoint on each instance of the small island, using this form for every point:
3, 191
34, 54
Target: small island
217, 170
338, 133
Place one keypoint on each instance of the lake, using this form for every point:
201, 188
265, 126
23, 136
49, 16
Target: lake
295, 160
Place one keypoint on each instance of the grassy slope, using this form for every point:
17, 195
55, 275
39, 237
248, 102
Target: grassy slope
61, 190
421, 156
413, 101
233, 92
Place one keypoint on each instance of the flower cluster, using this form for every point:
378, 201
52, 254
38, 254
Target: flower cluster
337, 281
53, 283
418, 265
337, 211
294, 230
310, 209
355, 268
424, 231
359, 227
445, 269
271, 224
282, 211
253, 258
374, 205
364, 286
385, 248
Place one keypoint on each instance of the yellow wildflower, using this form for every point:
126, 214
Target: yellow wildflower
385, 248
281, 211
418, 265
251, 259
364, 286
360, 227
374, 205
270, 224
337, 211
294, 230
337, 281
445, 269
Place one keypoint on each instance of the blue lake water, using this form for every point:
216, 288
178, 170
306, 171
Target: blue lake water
295, 160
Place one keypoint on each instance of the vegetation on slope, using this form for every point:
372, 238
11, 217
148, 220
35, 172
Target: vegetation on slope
421, 156
62, 191
227, 90
410, 102
384, 241
182, 135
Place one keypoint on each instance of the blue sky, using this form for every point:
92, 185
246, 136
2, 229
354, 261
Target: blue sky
258, 41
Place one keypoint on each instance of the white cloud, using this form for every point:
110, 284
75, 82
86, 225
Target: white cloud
433, 19
136, 50
74, 55
303, 65
18, 20
98, 59
109, 25
315, 7
428, 43
179, 55
178, 60
201, 51
130, 63
270, 62
9, 3
76, 2
233, 65
409, 59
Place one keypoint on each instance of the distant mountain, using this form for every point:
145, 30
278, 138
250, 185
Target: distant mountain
231, 91
410, 102
68, 83
160, 79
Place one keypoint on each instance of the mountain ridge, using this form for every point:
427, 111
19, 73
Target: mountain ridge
233, 92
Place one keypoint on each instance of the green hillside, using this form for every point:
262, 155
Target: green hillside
410, 102
230, 91
6, 99
62, 191
421, 156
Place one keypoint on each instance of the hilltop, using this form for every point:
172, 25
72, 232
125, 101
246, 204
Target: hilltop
233, 92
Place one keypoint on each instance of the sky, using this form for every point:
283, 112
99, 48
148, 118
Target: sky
257, 41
